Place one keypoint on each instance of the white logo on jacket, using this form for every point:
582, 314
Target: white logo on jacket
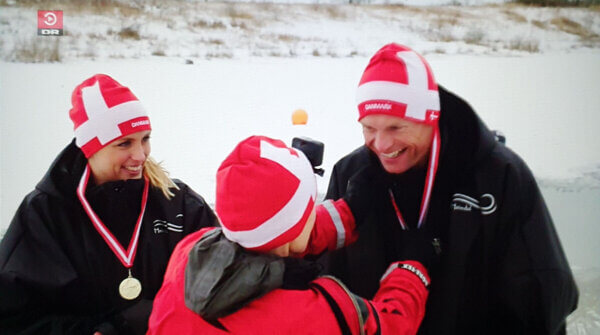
465, 203
161, 227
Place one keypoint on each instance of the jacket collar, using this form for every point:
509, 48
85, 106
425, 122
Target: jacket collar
465, 138
64, 173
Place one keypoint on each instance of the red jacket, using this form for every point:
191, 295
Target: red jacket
327, 307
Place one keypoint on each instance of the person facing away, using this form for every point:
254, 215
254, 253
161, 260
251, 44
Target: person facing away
437, 175
87, 249
246, 277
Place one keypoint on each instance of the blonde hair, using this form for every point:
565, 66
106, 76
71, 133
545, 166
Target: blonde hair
159, 177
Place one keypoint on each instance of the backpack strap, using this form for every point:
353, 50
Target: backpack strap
330, 288
376, 316
339, 315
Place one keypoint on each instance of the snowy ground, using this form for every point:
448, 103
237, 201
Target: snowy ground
255, 64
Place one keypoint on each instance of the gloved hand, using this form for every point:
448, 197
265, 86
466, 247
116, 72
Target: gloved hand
299, 273
131, 320
363, 187
416, 245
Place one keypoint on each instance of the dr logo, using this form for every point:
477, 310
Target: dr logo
50, 22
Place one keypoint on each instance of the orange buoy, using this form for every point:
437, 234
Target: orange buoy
299, 116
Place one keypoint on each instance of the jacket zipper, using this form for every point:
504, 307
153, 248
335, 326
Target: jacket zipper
437, 246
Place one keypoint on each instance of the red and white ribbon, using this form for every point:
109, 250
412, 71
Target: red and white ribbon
125, 256
431, 171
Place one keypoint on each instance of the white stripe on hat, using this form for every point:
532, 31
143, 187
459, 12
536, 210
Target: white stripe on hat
103, 122
416, 95
293, 211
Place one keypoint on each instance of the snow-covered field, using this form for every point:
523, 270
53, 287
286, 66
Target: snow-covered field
253, 65
200, 30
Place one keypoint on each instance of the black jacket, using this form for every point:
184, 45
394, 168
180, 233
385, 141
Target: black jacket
58, 276
501, 269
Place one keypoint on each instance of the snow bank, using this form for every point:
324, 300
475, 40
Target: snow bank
200, 30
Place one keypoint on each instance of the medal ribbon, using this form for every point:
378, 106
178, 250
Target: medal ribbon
125, 256
431, 170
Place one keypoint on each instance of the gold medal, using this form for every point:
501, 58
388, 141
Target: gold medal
130, 288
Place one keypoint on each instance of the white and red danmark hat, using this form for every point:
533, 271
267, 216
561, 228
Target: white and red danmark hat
103, 111
265, 193
399, 82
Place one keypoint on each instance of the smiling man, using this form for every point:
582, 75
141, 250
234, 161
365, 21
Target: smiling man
437, 174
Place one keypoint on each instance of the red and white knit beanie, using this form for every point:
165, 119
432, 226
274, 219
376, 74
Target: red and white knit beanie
399, 82
103, 111
265, 193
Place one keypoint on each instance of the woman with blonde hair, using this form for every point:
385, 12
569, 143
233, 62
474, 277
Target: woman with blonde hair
87, 249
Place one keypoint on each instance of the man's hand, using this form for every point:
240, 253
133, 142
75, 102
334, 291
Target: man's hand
363, 187
417, 246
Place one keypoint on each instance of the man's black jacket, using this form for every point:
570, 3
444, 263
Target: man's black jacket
501, 270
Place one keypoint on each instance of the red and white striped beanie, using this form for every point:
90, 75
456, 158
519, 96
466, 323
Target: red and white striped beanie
399, 82
103, 111
265, 193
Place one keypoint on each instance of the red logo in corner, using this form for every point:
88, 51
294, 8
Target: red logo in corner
50, 22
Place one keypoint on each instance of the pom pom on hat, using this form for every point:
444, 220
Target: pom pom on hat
103, 111
399, 82
265, 193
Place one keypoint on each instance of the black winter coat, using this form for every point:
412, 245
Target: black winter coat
58, 276
501, 270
